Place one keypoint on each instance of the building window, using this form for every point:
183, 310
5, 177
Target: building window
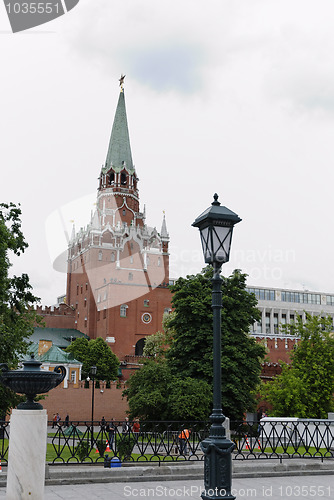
85, 302
86, 286
131, 259
77, 289
267, 322
124, 211
275, 323
104, 313
73, 376
330, 300
147, 303
159, 261
98, 315
123, 179
262, 294
123, 310
99, 298
111, 178
100, 255
113, 257
130, 277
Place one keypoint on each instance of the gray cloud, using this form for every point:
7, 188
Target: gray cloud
172, 67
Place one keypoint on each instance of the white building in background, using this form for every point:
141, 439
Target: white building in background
280, 306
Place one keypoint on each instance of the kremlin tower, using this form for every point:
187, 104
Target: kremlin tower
118, 266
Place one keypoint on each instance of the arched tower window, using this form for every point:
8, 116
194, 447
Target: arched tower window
111, 178
139, 349
123, 179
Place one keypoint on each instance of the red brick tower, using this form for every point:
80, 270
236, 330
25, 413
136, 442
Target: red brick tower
118, 266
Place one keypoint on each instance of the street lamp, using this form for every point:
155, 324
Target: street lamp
216, 228
93, 370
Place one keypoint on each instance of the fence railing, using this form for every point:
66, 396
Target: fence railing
168, 441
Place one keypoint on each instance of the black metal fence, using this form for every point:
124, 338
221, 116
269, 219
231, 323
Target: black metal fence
80, 442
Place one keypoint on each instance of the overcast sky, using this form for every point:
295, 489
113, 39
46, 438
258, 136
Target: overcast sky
227, 96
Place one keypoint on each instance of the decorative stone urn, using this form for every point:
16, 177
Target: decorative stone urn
31, 380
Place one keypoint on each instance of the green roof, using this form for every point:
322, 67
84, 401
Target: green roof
53, 355
119, 150
60, 337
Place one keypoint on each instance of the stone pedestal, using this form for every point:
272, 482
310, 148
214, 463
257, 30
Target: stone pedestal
27, 455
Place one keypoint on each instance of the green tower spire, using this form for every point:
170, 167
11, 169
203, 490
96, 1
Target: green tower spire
119, 150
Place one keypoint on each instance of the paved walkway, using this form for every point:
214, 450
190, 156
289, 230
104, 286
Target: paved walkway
278, 488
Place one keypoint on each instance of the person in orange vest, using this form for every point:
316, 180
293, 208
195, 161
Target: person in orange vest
183, 440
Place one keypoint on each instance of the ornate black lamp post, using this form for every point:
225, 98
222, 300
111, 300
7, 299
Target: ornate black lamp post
93, 371
216, 227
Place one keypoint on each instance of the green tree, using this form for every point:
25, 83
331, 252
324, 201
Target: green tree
155, 394
305, 388
190, 353
95, 352
157, 344
17, 318
147, 391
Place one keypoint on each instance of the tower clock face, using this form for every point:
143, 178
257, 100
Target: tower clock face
146, 318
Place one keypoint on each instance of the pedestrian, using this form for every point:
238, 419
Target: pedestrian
58, 419
67, 421
126, 426
136, 427
54, 421
111, 430
183, 440
103, 424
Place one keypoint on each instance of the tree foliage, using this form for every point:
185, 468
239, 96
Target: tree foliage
17, 317
179, 383
95, 353
155, 394
191, 353
305, 388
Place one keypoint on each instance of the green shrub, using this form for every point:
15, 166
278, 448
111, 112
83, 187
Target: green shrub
82, 450
124, 447
101, 447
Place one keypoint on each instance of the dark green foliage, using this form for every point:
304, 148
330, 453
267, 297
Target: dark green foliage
177, 383
16, 299
155, 394
101, 446
125, 446
82, 450
190, 354
305, 388
98, 353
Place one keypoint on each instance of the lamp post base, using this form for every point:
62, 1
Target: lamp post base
217, 465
